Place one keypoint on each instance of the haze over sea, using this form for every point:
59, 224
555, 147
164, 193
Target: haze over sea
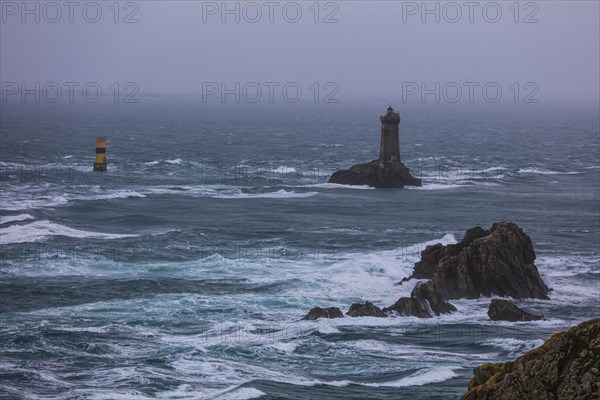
184, 271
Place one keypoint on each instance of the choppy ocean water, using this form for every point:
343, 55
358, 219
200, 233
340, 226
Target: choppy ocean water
184, 271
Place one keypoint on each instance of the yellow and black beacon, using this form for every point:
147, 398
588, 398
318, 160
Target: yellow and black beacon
100, 164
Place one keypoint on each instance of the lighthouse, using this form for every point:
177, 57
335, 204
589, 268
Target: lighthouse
389, 150
385, 172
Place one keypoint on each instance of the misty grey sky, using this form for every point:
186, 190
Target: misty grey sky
373, 48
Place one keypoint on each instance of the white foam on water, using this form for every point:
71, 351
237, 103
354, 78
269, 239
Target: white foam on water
14, 218
284, 170
280, 194
102, 394
513, 346
437, 186
285, 347
568, 265
424, 377
19, 203
41, 230
420, 378
412, 352
119, 194
187, 391
566, 291
27, 199
545, 171
370, 276
244, 393
338, 186
176, 161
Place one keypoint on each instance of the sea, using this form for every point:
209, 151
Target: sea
184, 270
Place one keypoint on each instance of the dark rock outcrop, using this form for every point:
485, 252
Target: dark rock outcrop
365, 310
318, 312
485, 263
430, 257
433, 254
426, 291
404, 280
376, 174
567, 366
422, 303
504, 310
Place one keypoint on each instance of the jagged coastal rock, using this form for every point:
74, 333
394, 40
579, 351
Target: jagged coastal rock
423, 302
318, 312
433, 254
365, 310
499, 261
567, 366
386, 172
504, 310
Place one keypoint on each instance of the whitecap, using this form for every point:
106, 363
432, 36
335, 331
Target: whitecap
437, 186
338, 186
120, 194
19, 203
545, 171
419, 378
285, 347
512, 345
424, 376
244, 393
14, 218
41, 230
280, 194
284, 170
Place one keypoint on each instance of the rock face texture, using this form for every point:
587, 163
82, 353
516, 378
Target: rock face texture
433, 254
387, 171
423, 303
499, 261
318, 312
377, 175
567, 366
365, 310
504, 310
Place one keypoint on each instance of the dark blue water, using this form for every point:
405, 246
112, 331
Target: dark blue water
184, 270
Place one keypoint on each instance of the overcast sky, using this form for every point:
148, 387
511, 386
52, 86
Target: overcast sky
372, 49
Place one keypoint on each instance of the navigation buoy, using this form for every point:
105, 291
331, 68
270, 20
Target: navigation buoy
100, 164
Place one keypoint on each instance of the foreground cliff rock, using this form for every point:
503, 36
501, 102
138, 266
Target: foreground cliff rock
504, 310
567, 366
499, 261
387, 171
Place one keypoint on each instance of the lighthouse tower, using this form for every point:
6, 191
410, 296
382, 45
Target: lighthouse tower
390, 142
